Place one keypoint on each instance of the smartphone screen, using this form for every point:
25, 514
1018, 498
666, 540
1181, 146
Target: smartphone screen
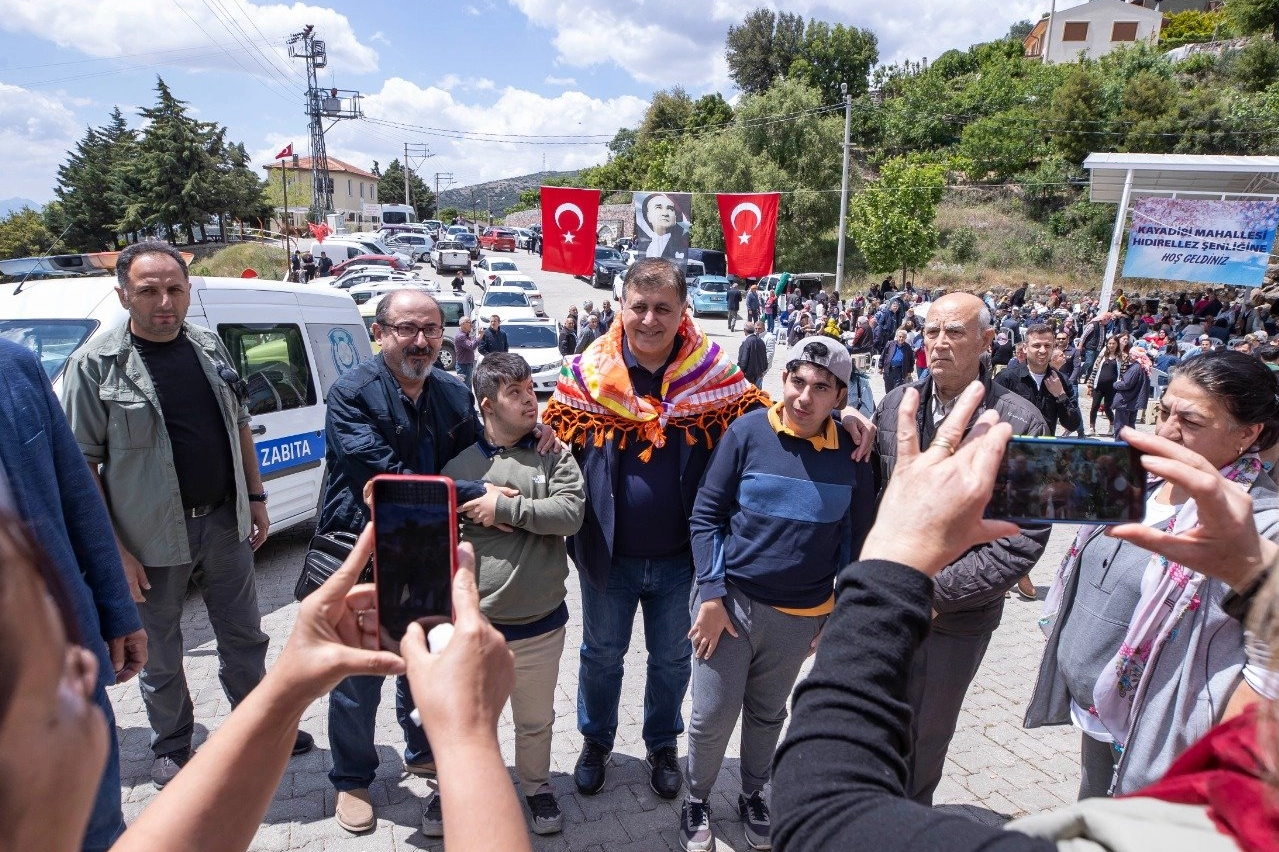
1064, 480
414, 552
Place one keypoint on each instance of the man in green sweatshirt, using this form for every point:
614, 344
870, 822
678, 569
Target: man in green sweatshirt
518, 534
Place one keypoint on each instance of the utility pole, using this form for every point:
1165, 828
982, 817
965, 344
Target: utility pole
447, 177
420, 151
320, 105
406, 175
843, 191
1048, 30
285, 223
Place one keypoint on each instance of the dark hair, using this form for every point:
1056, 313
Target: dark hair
382, 316
1040, 328
1244, 385
654, 273
124, 262
496, 371
1269, 352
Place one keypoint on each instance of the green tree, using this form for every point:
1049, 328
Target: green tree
176, 168
1076, 115
893, 219
709, 111
762, 48
1001, 145
448, 214
390, 190
1019, 30
1192, 26
242, 195
94, 184
23, 234
1253, 16
835, 55
1256, 66
669, 112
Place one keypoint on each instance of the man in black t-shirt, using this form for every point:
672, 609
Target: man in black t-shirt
157, 407
324, 264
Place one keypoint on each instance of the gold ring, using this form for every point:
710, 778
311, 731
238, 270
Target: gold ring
359, 619
947, 445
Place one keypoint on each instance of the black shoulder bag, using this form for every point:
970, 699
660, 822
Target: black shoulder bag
323, 558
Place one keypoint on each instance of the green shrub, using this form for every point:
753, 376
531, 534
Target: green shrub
962, 243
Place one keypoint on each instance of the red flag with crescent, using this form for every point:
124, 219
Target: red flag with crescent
569, 224
750, 231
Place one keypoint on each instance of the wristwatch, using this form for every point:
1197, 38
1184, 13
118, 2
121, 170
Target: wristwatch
257, 498
1237, 604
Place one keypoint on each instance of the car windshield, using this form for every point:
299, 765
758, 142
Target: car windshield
522, 283
466, 239
52, 340
530, 336
505, 300
451, 245
607, 254
502, 266
711, 286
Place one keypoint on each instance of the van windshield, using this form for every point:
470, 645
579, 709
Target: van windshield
53, 340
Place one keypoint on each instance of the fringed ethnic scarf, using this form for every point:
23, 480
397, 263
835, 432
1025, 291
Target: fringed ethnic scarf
702, 393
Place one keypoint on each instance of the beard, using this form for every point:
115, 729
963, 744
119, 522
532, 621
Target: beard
401, 365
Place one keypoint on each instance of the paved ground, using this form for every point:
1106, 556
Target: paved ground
995, 769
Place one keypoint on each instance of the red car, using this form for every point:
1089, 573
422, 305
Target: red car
498, 239
367, 260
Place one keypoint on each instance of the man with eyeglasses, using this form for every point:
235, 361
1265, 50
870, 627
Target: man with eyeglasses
390, 414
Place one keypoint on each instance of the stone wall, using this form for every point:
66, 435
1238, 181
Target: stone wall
615, 221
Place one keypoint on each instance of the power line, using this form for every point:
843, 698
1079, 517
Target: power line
200, 27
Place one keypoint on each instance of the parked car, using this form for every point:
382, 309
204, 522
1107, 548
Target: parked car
346, 246
374, 290
387, 260
708, 295
417, 245
486, 269
365, 274
506, 302
522, 237
528, 285
498, 239
537, 342
449, 256
608, 262
471, 242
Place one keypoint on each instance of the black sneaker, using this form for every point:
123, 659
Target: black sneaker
303, 743
695, 827
592, 764
433, 817
166, 766
545, 811
665, 777
754, 814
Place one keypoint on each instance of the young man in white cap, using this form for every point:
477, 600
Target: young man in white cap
781, 509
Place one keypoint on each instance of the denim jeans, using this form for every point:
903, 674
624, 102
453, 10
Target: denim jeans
353, 707
464, 372
661, 587
106, 822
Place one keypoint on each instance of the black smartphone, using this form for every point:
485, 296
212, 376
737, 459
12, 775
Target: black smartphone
414, 552
1069, 480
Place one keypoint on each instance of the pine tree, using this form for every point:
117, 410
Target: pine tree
94, 186
390, 189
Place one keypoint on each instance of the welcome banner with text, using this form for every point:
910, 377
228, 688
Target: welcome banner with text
1211, 242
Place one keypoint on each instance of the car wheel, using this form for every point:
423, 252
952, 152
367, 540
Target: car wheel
447, 359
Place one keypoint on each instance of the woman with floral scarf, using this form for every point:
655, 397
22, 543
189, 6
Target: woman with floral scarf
1132, 389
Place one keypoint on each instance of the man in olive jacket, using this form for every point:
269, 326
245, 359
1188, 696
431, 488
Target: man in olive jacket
968, 600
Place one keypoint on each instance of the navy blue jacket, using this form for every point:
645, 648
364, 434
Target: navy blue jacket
54, 492
368, 430
1132, 390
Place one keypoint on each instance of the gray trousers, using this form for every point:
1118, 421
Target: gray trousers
751, 676
222, 566
1097, 761
943, 668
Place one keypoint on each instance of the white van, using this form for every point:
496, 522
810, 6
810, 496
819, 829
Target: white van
289, 342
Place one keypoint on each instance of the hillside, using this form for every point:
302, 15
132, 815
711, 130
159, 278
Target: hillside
498, 195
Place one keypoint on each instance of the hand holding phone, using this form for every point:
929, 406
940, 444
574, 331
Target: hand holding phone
415, 552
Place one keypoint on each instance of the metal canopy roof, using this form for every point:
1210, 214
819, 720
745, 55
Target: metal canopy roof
1182, 175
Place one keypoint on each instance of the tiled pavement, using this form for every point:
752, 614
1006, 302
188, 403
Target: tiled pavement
995, 768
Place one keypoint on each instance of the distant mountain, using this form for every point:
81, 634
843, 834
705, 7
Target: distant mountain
12, 205
496, 195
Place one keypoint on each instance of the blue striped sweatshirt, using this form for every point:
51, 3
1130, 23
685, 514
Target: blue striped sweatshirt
777, 517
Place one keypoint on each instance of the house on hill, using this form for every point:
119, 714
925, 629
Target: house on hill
1092, 29
353, 187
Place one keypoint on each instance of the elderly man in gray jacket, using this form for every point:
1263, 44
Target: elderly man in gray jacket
968, 600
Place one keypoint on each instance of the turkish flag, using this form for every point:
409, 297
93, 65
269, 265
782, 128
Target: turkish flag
287, 152
750, 231
319, 231
569, 220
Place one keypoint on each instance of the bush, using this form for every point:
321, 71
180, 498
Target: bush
1257, 65
962, 243
267, 261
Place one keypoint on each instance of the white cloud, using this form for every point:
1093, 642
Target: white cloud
180, 33
380, 37
449, 82
471, 160
559, 81
668, 42
36, 131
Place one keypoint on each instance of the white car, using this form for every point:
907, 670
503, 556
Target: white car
377, 289
487, 268
417, 245
537, 341
522, 237
508, 303
528, 285
364, 274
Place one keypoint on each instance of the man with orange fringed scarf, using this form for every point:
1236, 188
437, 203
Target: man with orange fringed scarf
642, 408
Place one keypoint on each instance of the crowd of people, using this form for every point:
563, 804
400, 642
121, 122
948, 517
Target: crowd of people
750, 533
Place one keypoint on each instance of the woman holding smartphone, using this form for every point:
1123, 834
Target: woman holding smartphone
1105, 373
1141, 655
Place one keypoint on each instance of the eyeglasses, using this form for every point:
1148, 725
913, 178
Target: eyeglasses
410, 331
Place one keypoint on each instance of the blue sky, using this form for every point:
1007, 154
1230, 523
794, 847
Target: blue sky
509, 77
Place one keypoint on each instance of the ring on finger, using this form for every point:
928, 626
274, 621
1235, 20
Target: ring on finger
945, 445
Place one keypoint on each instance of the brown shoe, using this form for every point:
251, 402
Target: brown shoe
425, 769
354, 811
1026, 588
